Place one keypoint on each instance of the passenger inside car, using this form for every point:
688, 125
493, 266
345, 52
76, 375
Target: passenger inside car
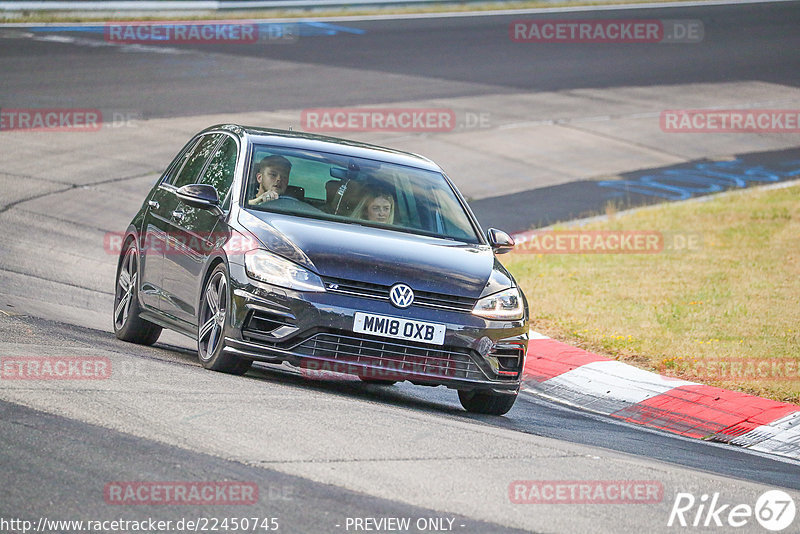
376, 205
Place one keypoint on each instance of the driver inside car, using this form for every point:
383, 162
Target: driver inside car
273, 179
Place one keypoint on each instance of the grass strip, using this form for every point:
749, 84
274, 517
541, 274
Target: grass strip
720, 304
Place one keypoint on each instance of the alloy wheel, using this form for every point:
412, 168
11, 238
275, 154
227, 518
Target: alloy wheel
212, 318
126, 286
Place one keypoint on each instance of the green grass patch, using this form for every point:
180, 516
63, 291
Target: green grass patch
726, 313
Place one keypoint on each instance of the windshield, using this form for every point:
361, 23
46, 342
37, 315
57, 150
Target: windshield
354, 190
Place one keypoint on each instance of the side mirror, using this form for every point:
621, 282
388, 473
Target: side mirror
201, 196
500, 241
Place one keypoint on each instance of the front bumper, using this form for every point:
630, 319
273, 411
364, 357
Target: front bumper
314, 331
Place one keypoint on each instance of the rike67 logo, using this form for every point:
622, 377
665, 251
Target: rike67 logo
774, 510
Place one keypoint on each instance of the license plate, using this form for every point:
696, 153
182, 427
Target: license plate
398, 328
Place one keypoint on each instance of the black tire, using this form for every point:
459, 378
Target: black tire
212, 318
128, 326
486, 402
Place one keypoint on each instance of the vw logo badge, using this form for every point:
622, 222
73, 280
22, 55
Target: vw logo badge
401, 295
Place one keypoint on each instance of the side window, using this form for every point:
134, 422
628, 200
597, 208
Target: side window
221, 168
195, 159
311, 176
177, 163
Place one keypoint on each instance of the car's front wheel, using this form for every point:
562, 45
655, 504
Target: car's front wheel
486, 402
128, 326
214, 308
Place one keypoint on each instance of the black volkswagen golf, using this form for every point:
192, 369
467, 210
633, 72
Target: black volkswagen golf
327, 254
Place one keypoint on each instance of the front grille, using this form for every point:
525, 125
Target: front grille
359, 289
392, 359
425, 299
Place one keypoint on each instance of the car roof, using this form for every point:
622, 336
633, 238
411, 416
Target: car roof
323, 143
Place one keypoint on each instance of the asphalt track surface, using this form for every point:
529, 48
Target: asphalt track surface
57, 465
586, 198
399, 60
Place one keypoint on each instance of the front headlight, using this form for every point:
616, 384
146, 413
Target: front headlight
505, 305
277, 271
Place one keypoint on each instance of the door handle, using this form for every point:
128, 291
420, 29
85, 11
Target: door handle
153, 204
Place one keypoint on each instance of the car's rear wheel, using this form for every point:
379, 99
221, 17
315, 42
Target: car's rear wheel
128, 326
486, 402
214, 308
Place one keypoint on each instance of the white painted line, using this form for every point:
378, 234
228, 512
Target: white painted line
778, 437
639, 115
95, 43
615, 381
784, 444
536, 335
566, 406
768, 431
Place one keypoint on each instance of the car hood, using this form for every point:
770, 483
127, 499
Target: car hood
374, 255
